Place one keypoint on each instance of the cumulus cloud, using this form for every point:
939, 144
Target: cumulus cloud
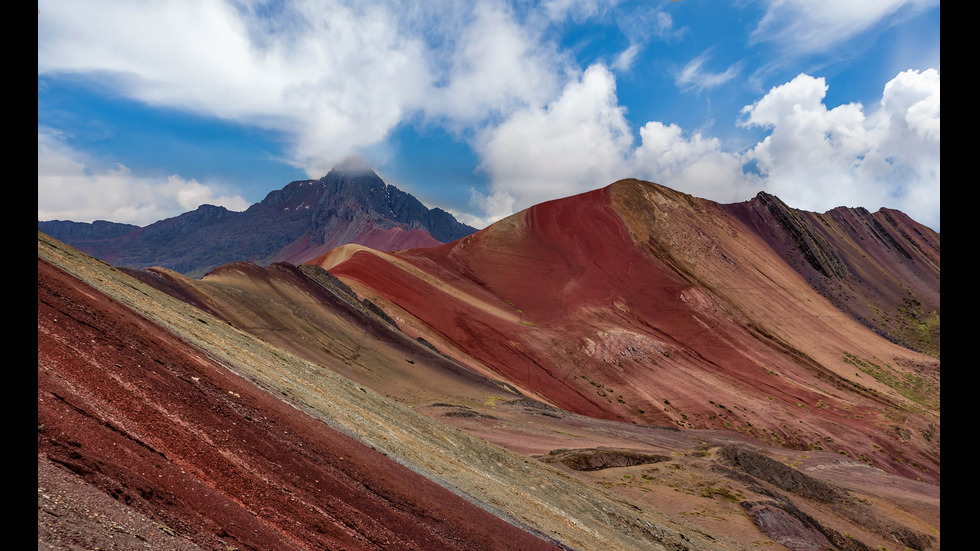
568, 146
814, 157
696, 164
335, 77
332, 76
497, 66
68, 188
818, 158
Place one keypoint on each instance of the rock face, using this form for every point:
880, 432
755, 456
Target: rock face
303, 220
601, 458
81, 231
774, 472
785, 523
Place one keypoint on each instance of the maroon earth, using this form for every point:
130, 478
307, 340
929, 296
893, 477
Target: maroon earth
209, 458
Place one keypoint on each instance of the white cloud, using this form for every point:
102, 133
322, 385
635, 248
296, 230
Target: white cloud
333, 77
913, 97
624, 61
695, 165
643, 23
337, 76
68, 189
640, 26
577, 10
804, 26
817, 158
574, 144
497, 66
582, 141
814, 158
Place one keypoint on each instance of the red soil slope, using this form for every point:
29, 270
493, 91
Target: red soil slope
203, 456
287, 309
639, 303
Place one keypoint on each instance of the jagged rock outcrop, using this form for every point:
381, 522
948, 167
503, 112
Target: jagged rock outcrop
784, 477
596, 459
816, 250
780, 519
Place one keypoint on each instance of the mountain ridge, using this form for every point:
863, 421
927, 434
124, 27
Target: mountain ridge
716, 399
300, 221
661, 302
548, 504
881, 268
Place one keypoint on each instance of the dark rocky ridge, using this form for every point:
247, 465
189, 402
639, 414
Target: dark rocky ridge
817, 251
294, 224
786, 478
880, 268
100, 229
783, 521
596, 459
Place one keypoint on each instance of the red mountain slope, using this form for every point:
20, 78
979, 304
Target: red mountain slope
646, 487
639, 303
195, 455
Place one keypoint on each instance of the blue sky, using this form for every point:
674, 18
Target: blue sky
148, 109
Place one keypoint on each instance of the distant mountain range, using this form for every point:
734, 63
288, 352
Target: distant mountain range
299, 222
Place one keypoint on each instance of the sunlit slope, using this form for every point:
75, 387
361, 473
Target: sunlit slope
882, 268
195, 456
639, 303
313, 319
532, 495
